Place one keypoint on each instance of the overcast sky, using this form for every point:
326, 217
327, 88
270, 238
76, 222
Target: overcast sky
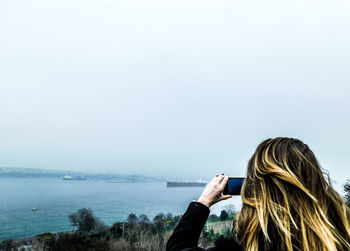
172, 88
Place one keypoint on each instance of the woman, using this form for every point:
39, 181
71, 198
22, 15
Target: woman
287, 205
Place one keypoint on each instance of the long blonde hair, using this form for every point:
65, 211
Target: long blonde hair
287, 202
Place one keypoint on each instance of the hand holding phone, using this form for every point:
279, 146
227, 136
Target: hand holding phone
212, 193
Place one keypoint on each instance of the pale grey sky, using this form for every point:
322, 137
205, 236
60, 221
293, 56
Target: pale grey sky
173, 88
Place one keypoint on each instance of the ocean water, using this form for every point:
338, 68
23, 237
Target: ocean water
111, 202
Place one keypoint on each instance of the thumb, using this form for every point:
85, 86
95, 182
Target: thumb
225, 197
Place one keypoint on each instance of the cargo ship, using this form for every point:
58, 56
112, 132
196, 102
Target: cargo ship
200, 183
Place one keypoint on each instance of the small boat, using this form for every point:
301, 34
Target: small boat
34, 209
68, 177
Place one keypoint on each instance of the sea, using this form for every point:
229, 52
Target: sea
55, 199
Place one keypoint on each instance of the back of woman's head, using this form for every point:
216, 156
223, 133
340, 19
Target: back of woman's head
287, 202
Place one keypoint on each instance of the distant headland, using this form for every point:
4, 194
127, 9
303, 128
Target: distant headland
20, 172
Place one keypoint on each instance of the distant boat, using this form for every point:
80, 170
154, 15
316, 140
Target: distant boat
200, 183
68, 177
34, 209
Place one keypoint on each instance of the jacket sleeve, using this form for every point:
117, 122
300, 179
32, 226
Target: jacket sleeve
189, 228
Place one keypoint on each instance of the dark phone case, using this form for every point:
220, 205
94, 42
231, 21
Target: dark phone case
237, 182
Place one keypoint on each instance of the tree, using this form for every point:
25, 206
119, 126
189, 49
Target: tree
158, 221
168, 216
159, 218
143, 219
84, 220
132, 219
223, 215
213, 217
347, 192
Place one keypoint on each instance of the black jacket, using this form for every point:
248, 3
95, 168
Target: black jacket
186, 235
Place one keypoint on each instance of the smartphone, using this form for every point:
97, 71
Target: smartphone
233, 186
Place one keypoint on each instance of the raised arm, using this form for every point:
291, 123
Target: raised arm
187, 232
189, 228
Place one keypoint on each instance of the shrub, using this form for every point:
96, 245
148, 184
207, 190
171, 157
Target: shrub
7, 244
117, 230
84, 220
119, 245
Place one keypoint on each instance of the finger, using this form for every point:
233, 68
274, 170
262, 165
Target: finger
216, 179
224, 182
220, 178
